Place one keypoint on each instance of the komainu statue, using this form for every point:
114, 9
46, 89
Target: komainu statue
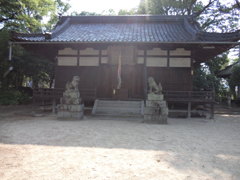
72, 95
71, 104
156, 109
153, 87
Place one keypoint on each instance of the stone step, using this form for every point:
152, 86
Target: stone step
118, 103
114, 115
121, 105
118, 108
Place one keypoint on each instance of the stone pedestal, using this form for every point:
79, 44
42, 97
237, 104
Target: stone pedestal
71, 111
156, 110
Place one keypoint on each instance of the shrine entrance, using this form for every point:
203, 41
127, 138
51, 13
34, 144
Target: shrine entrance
124, 77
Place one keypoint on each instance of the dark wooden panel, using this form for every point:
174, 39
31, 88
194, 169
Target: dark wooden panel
88, 76
172, 79
105, 84
104, 78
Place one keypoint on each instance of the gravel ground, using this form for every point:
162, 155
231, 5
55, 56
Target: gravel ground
98, 148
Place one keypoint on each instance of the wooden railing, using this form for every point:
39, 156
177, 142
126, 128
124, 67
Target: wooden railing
205, 98
186, 96
47, 93
56, 94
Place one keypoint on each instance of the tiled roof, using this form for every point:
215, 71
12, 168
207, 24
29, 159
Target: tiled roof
136, 29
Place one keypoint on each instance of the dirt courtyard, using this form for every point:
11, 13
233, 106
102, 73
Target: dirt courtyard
98, 148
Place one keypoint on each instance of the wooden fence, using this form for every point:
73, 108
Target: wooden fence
202, 100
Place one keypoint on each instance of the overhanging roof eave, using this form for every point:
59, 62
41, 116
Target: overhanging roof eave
86, 42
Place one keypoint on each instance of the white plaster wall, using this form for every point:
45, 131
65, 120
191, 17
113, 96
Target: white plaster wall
140, 60
156, 62
157, 51
67, 51
104, 52
180, 52
67, 61
180, 62
89, 51
89, 61
104, 60
140, 52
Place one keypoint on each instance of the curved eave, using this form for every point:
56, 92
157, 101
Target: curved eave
20, 41
206, 36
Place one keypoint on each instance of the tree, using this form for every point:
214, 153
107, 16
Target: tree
84, 13
122, 12
28, 15
212, 16
25, 65
205, 75
234, 79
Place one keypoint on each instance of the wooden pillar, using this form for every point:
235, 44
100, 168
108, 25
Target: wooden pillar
189, 109
54, 104
212, 105
145, 74
189, 105
212, 110
78, 57
99, 74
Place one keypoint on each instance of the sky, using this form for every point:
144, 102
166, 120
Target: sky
99, 6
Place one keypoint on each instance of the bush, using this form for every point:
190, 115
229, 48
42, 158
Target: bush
13, 97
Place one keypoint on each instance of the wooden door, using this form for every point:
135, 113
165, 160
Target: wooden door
131, 75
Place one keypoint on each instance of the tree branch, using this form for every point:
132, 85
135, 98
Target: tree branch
2, 19
198, 13
237, 4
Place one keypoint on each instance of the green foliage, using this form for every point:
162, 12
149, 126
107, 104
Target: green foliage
234, 79
29, 65
209, 82
84, 13
28, 15
4, 63
127, 12
214, 15
110, 12
168, 7
205, 76
217, 63
200, 79
13, 97
25, 64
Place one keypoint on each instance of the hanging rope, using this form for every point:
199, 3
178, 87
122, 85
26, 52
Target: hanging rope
119, 71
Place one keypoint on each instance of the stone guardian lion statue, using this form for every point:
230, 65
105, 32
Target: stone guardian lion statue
154, 88
72, 95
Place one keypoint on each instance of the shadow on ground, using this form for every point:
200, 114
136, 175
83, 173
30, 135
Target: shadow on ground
184, 143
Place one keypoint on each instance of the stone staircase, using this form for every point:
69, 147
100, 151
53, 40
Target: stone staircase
118, 108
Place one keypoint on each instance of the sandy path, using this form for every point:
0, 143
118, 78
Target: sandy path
46, 148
